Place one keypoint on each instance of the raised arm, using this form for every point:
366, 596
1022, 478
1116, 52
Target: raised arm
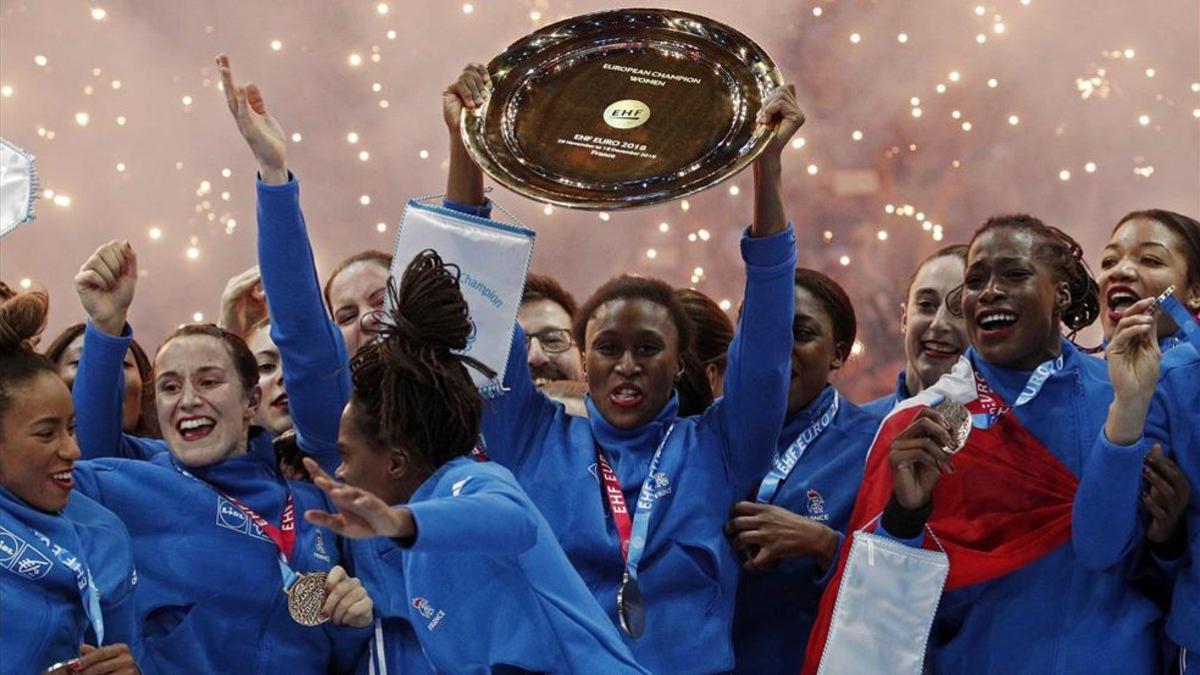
315, 372
515, 422
780, 111
106, 284
752, 411
483, 515
464, 180
1105, 526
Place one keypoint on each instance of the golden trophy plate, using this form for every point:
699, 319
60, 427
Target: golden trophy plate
621, 109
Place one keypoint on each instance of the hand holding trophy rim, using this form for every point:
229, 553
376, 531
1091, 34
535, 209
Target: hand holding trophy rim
621, 109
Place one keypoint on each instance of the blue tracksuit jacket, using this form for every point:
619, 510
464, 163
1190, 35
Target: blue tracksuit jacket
689, 572
1055, 615
1109, 525
43, 620
486, 585
776, 609
210, 595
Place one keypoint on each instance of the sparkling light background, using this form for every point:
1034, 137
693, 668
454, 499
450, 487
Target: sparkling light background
924, 118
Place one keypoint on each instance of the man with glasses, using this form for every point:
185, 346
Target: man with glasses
546, 315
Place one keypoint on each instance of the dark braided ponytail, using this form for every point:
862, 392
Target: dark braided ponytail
412, 390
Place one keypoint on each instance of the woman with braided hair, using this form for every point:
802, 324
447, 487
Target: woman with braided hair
989, 460
451, 540
67, 578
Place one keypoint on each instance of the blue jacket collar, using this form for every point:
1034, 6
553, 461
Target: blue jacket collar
901, 390
36, 518
798, 422
260, 453
645, 437
425, 490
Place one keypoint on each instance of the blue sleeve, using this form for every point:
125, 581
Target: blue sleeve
121, 625
483, 210
823, 580
99, 394
752, 411
1104, 519
315, 372
915, 542
487, 517
514, 423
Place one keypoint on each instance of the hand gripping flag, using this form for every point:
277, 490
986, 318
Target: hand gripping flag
1007, 504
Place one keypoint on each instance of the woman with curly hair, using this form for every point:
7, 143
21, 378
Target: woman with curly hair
989, 460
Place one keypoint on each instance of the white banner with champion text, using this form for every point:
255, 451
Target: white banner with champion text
493, 258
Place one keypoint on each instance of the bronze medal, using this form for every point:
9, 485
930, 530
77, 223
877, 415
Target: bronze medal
630, 609
306, 598
959, 419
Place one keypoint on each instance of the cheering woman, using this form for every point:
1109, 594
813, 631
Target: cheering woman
68, 579
1131, 493
228, 580
934, 334
1018, 598
637, 495
1148, 252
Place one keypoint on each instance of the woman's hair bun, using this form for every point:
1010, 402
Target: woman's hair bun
21, 319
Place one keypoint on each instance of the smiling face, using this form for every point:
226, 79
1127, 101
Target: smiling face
933, 336
131, 410
631, 359
1012, 300
356, 294
37, 442
1143, 257
546, 318
815, 352
273, 415
203, 409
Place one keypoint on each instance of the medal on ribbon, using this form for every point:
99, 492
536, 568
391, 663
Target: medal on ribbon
305, 592
959, 419
306, 598
631, 610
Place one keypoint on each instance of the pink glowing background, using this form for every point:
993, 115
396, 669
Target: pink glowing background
924, 118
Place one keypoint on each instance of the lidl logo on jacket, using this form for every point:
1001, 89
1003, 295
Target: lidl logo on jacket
232, 518
19, 557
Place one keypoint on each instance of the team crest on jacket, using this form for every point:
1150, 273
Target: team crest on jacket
427, 611
816, 506
20, 558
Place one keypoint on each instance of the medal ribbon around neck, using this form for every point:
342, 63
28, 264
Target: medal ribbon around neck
994, 408
631, 532
786, 461
1190, 325
283, 536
